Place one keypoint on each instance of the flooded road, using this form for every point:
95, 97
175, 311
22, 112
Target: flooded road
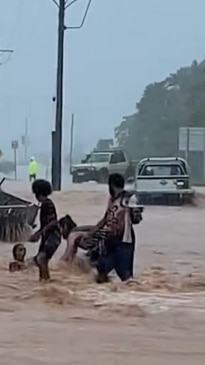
156, 319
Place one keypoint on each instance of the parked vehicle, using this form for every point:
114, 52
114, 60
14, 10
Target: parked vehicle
100, 164
163, 179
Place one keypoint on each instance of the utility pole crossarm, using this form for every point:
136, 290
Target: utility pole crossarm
55, 2
6, 51
70, 3
84, 18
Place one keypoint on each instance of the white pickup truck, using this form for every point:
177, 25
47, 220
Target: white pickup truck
163, 179
99, 165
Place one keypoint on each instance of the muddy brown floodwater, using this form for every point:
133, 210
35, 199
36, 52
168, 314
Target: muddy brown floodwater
157, 319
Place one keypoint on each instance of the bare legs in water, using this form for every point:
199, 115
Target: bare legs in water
72, 245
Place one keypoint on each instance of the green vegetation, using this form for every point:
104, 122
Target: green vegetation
165, 106
104, 144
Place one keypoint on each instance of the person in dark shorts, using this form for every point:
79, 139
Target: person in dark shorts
115, 234
49, 231
120, 240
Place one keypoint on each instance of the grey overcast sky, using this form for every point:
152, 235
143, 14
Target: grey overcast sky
125, 45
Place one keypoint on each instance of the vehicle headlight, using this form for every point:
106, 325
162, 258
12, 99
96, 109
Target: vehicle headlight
92, 168
180, 184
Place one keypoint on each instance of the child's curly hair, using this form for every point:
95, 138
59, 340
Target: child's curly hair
42, 187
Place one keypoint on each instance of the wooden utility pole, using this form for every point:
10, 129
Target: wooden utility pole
26, 141
14, 146
71, 142
57, 134
57, 155
53, 159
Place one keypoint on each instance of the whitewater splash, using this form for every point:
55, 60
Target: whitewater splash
153, 292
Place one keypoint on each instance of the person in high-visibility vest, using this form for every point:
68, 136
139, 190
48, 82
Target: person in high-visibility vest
32, 170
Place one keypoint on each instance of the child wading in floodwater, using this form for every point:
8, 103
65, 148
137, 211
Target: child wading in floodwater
49, 232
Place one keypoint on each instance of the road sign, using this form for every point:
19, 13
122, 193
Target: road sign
183, 136
192, 139
14, 145
25, 140
197, 139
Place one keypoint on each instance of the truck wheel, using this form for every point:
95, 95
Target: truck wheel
103, 176
75, 179
130, 172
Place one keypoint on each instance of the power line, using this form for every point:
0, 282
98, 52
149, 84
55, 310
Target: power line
84, 17
67, 4
55, 2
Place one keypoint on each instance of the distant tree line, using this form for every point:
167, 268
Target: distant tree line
153, 129
177, 101
104, 144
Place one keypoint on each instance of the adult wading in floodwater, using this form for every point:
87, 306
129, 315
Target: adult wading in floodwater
110, 244
115, 230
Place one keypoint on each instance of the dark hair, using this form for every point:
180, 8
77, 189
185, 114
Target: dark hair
19, 252
117, 181
67, 225
42, 187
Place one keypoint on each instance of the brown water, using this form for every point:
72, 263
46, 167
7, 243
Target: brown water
158, 318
